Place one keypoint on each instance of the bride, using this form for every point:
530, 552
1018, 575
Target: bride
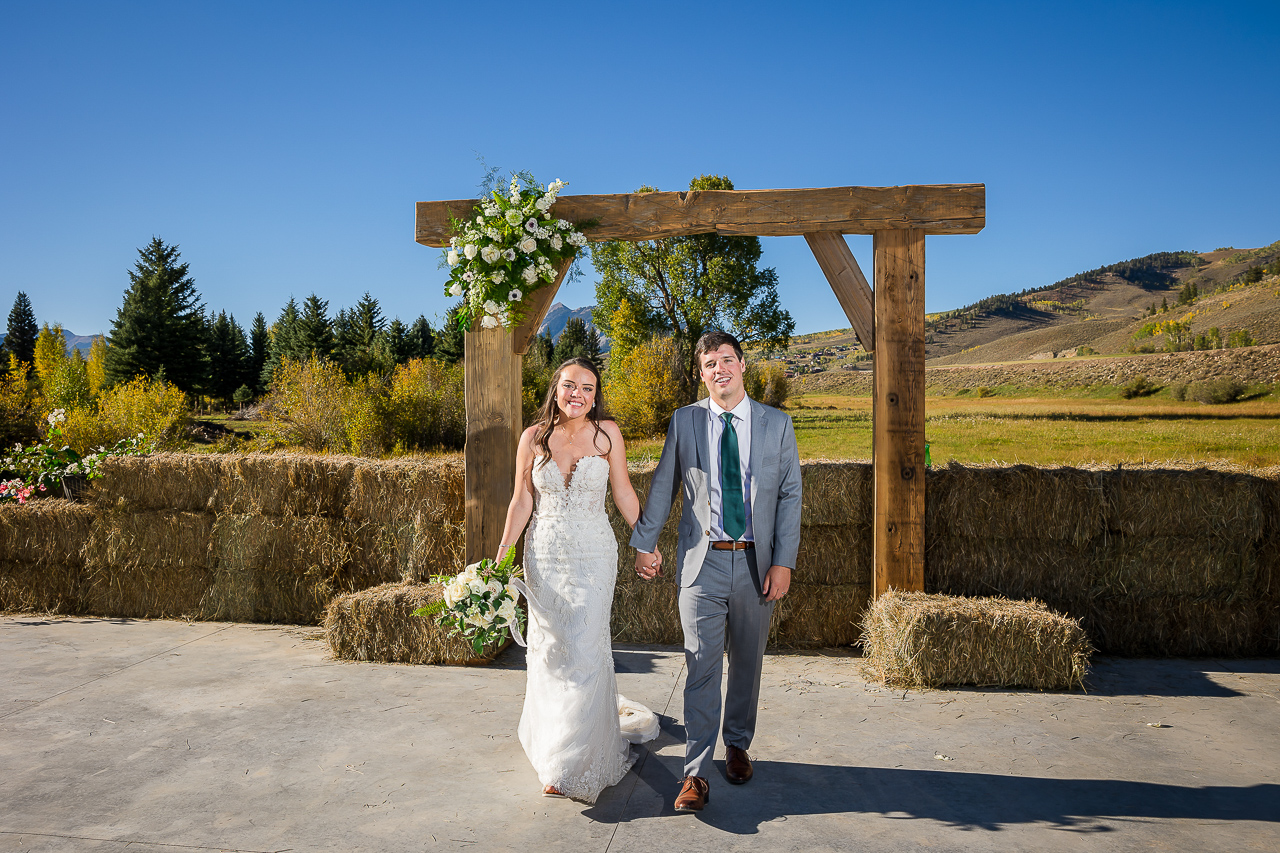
575, 728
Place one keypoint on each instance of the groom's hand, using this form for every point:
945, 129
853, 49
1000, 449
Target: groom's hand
776, 582
648, 566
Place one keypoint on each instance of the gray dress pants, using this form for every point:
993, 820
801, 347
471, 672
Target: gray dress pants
722, 610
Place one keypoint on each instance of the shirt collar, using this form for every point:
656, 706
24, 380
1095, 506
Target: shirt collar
740, 411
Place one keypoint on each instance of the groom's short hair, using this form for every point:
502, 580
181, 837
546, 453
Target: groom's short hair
712, 341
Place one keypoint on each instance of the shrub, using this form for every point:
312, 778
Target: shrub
307, 404
1086, 350
986, 392
1224, 389
19, 418
643, 388
153, 407
1178, 390
427, 406
1140, 387
67, 386
766, 381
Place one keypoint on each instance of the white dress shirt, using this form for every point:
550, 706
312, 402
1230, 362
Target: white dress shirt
742, 426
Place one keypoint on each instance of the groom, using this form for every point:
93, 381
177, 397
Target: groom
737, 462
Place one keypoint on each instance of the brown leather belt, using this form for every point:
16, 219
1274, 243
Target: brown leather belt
733, 546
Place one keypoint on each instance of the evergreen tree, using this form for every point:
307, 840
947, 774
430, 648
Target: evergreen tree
357, 332
314, 331
421, 338
578, 340
259, 350
160, 326
228, 357
20, 337
450, 346
394, 341
284, 342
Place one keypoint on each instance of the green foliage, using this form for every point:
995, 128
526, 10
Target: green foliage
160, 326
1240, 338
259, 351
154, 408
766, 382
1140, 387
230, 364
1178, 391
681, 287
1188, 294
51, 351
536, 369
20, 335
427, 406
19, 418
449, 341
643, 388
313, 333
986, 392
283, 343
1224, 389
68, 385
578, 340
1086, 350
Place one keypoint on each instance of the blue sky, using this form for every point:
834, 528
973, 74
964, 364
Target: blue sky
283, 145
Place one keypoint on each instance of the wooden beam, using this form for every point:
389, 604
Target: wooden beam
536, 310
898, 412
493, 428
931, 208
846, 279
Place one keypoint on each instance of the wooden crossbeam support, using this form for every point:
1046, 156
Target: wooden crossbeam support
846, 279
931, 208
493, 429
898, 412
536, 311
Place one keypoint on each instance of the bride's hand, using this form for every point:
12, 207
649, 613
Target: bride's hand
648, 566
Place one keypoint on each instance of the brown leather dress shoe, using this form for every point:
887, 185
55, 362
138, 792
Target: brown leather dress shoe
737, 765
694, 793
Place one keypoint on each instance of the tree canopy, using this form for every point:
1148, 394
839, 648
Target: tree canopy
685, 286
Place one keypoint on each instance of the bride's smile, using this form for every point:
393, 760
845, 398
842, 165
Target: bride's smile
576, 392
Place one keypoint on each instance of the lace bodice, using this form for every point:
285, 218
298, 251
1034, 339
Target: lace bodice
582, 491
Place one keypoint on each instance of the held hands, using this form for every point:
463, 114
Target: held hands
776, 583
648, 566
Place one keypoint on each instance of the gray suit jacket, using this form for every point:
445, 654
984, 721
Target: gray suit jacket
686, 463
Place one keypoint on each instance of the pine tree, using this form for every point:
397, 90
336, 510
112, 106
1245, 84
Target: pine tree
450, 345
20, 337
314, 331
578, 340
421, 338
160, 326
228, 357
259, 348
284, 342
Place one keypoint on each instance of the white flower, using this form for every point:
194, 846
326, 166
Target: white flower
556, 242
470, 250
478, 586
544, 204
530, 275
542, 233
507, 612
528, 244
509, 254
499, 277
512, 592
469, 275
493, 586
57, 416
452, 595
531, 226
452, 257
514, 217
562, 225
490, 254
488, 321
515, 296
455, 289
477, 620
480, 219
491, 307
576, 239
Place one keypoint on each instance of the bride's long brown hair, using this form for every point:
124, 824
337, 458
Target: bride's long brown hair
549, 414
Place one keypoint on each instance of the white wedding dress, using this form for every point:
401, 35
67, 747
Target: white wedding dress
575, 728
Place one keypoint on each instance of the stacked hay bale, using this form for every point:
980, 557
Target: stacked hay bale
1154, 561
378, 624
41, 567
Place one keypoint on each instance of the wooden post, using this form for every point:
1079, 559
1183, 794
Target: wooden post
898, 411
493, 430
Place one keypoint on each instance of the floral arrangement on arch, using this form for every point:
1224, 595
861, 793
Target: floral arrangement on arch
510, 248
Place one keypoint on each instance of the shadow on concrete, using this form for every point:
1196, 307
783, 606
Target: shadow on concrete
969, 801
1156, 677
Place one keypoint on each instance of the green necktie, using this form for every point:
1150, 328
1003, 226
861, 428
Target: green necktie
732, 512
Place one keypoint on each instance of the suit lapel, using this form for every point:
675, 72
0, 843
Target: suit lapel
757, 446
700, 430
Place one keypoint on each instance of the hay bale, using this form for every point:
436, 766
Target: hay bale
409, 550
1177, 566
1018, 502
159, 481
377, 625
837, 493
646, 612
398, 490
1268, 547
285, 544
668, 538
143, 591
834, 555
39, 587
1168, 501
914, 639
277, 484
813, 617
1047, 569
261, 595
46, 532
1172, 626
122, 538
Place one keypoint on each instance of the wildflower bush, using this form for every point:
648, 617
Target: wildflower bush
644, 389
153, 408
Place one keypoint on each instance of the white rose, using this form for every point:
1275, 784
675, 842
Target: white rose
480, 219
490, 254
478, 586
556, 242
499, 277
455, 289
477, 620
453, 258
513, 592
488, 321
516, 295
470, 250
544, 204
491, 307
528, 244
493, 586
514, 217
507, 612
530, 275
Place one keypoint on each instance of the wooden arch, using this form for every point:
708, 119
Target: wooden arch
888, 320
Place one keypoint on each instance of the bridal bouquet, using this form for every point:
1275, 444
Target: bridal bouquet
509, 249
480, 602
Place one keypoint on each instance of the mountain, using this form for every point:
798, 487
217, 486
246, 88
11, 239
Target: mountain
559, 315
74, 341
